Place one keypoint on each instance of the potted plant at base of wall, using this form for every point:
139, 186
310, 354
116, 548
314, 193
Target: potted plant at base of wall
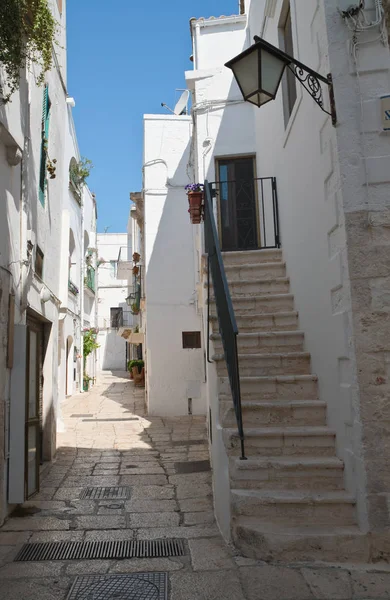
195, 201
135, 363
86, 382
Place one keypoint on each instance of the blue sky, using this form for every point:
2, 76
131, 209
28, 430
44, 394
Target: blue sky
125, 57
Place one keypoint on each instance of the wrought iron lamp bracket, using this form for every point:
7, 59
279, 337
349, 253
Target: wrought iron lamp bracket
311, 82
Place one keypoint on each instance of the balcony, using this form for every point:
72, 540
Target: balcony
90, 280
125, 264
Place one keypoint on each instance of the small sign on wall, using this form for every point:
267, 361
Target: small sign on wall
385, 112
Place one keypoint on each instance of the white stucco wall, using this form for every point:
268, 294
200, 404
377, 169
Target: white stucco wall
174, 375
112, 293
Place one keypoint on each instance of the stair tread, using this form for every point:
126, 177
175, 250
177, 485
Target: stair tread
258, 251
302, 529
296, 496
247, 356
279, 378
255, 265
264, 334
253, 462
280, 403
286, 431
259, 297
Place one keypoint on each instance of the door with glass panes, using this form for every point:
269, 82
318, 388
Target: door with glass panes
237, 203
34, 383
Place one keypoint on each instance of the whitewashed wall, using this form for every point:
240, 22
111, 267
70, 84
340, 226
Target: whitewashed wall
174, 374
112, 293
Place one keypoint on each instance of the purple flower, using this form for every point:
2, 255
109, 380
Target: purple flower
194, 187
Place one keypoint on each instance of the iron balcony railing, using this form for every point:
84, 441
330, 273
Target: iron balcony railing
89, 279
225, 312
247, 213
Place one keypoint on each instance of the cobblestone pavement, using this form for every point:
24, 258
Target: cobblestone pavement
108, 441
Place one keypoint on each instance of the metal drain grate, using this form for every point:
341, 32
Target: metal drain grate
41, 551
140, 586
105, 493
108, 420
189, 443
196, 466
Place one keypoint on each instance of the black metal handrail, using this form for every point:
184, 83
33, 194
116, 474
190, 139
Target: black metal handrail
264, 231
225, 312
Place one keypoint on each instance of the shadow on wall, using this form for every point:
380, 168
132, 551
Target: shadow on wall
114, 352
171, 302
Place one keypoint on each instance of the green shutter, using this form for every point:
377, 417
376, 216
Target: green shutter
45, 139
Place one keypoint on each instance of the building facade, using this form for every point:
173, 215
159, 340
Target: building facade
35, 151
301, 210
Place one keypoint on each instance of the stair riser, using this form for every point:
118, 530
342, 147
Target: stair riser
257, 367
264, 344
296, 514
252, 324
247, 258
273, 390
281, 479
279, 446
249, 306
240, 288
276, 417
290, 548
240, 273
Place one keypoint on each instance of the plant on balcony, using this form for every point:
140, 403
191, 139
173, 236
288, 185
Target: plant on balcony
27, 33
80, 171
135, 308
135, 270
195, 201
73, 288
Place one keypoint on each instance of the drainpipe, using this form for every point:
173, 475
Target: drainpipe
82, 297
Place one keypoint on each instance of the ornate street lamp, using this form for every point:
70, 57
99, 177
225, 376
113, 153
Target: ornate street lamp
259, 70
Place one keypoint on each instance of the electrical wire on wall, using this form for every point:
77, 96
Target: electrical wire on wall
356, 20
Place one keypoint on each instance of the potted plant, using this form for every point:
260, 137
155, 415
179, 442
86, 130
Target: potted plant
195, 201
136, 257
135, 270
134, 363
135, 308
86, 382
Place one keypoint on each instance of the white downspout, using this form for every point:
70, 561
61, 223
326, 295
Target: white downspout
82, 298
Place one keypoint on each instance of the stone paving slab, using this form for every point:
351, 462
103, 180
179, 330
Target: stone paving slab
162, 504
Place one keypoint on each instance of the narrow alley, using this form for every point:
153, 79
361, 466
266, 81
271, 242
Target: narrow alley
109, 442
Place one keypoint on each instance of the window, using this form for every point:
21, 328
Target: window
116, 317
289, 82
39, 262
191, 339
44, 144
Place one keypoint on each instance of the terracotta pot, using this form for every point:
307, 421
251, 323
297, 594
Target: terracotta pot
135, 270
195, 201
136, 257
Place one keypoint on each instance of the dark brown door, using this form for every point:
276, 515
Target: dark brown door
237, 204
34, 380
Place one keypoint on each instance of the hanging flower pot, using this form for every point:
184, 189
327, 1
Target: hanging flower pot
195, 201
135, 270
136, 257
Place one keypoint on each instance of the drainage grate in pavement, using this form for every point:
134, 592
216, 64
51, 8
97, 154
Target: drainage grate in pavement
196, 466
189, 443
140, 586
108, 420
79, 416
41, 551
105, 493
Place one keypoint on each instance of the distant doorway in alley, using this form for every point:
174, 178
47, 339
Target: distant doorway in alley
69, 367
237, 204
34, 393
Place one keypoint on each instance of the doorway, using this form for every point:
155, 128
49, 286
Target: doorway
34, 392
237, 203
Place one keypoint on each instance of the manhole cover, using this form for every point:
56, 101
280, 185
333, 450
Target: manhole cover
141, 586
196, 466
105, 493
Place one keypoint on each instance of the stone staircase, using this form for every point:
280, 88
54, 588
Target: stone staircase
288, 500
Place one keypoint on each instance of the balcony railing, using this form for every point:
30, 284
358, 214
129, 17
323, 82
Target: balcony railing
89, 279
72, 287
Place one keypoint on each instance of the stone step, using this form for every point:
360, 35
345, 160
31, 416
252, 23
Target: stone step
298, 413
281, 441
260, 304
301, 472
248, 287
274, 542
249, 256
255, 271
265, 342
274, 322
295, 507
289, 387
252, 365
